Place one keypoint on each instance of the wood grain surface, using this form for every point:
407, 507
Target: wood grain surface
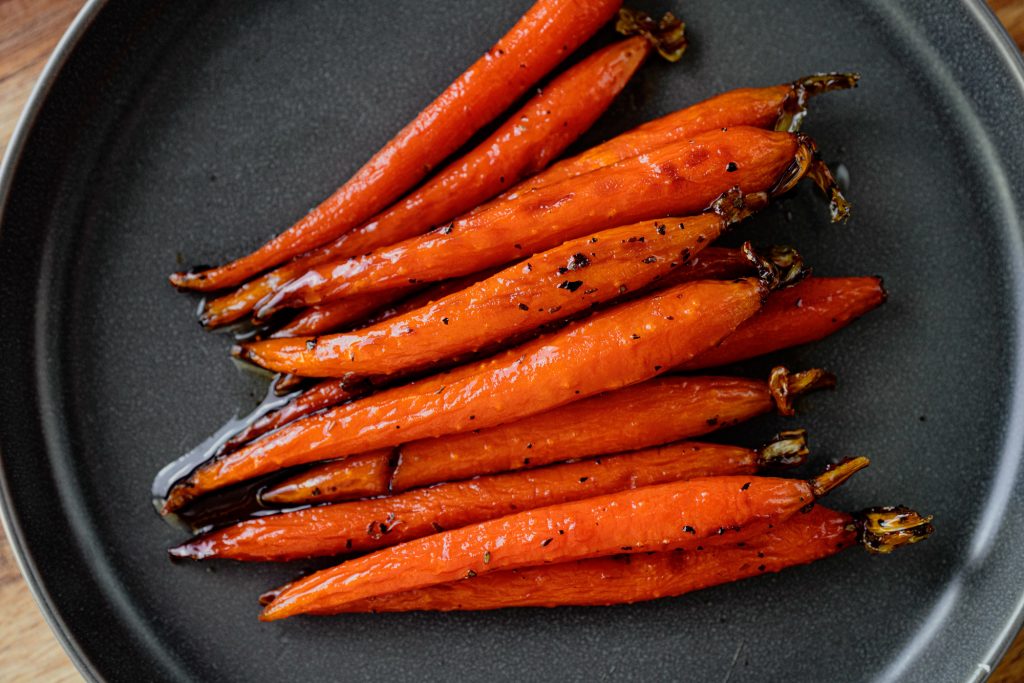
29, 30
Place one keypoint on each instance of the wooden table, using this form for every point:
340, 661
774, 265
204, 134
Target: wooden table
29, 29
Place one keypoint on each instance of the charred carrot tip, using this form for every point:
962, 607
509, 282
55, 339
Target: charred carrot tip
883, 529
778, 268
836, 475
785, 386
734, 206
794, 108
807, 163
667, 36
786, 449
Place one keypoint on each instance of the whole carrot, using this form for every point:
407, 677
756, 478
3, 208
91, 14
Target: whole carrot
615, 348
681, 514
370, 524
781, 107
528, 141
655, 412
808, 311
676, 179
624, 579
548, 32
328, 483
560, 282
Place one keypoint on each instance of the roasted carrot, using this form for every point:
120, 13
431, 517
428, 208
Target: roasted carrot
543, 37
528, 141
711, 263
370, 524
808, 311
614, 348
655, 412
780, 106
676, 179
560, 282
624, 579
369, 475
681, 514
329, 483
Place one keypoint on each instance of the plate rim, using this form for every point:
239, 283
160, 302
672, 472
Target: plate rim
1007, 50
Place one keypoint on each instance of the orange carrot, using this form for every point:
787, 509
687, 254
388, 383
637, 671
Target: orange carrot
780, 106
338, 314
614, 348
623, 579
712, 263
527, 142
370, 524
681, 514
543, 37
560, 282
655, 412
676, 179
808, 311
369, 474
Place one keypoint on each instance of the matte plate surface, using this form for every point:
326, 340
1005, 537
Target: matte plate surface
187, 132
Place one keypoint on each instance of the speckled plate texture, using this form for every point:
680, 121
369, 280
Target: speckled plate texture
179, 133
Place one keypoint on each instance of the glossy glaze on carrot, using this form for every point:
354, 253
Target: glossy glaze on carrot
368, 475
548, 32
370, 524
681, 514
528, 141
655, 412
622, 346
323, 319
546, 287
711, 263
778, 106
623, 579
680, 178
340, 314
806, 312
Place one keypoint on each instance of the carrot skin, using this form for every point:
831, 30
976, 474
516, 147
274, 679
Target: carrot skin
371, 524
662, 517
676, 179
530, 139
624, 345
760, 107
655, 412
625, 579
711, 263
548, 286
323, 320
368, 474
341, 313
806, 312
548, 32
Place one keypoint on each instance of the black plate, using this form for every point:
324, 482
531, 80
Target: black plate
189, 131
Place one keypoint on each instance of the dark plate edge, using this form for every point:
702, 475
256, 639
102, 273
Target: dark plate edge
987, 20
1014, 59
78, 27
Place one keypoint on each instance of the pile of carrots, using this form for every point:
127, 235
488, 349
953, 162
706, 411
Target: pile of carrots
493, 373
